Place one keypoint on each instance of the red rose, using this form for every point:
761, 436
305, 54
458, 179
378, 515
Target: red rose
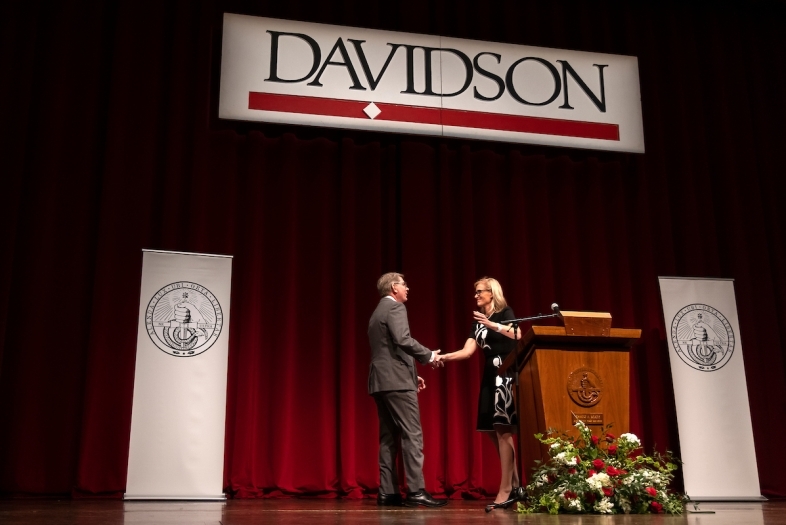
590, 497
610, 437
595, 440
571, 471
651, 491
656, 507
598, 464
570, 494
590, 473
611, 471
612, 449
608, 491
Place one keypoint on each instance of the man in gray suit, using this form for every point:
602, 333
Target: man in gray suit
394, 383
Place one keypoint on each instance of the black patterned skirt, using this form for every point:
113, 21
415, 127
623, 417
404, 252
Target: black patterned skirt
496, 404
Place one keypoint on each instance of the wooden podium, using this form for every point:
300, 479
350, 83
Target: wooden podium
579, 370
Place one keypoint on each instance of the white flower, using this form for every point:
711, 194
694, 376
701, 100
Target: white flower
604, 506
630, 438
624, 505
555, 445
575, 504
652, 476
599, 480
563, 458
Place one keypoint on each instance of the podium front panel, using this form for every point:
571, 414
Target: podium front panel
558, 385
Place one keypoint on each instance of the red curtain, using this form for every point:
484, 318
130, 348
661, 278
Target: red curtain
111, 145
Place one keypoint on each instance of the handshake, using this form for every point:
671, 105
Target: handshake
438, 360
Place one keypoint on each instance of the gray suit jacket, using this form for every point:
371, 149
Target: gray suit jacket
393, 350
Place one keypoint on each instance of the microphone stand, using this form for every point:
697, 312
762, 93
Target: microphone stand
518, 493
533, 318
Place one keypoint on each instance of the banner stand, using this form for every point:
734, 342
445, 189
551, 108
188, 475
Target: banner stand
140, 498
178, 420
710, 389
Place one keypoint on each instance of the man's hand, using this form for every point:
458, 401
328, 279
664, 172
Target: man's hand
437, 361
421, 384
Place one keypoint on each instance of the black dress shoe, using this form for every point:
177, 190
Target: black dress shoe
422, 497
389, 500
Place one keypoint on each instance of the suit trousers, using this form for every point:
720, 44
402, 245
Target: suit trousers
399, 419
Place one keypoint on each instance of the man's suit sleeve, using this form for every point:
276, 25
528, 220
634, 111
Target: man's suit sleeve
398, 324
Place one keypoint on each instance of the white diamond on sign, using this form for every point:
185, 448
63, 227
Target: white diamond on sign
372, 111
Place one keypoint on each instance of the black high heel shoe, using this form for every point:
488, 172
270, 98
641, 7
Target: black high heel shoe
517, 494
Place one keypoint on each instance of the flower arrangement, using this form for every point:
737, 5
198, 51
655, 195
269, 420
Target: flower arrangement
603, 475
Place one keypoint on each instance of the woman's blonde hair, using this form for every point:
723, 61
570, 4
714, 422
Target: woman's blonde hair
498, 301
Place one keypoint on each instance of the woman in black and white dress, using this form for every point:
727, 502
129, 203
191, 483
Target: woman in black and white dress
496, 410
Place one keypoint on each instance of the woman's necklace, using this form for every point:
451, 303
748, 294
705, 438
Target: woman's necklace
488, 315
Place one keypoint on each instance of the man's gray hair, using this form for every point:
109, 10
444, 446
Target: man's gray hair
385, 283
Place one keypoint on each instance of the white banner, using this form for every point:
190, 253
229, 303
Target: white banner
710, 390
180, 383
324, 75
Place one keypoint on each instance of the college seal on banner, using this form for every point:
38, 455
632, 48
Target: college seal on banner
702, 337
184, 319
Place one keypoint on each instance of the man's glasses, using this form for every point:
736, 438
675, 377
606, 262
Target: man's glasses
402, 283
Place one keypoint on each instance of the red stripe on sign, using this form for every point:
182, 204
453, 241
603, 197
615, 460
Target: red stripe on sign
400, 113
543, 126
423, 115
331, 107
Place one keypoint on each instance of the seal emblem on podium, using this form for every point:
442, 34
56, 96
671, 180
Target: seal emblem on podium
184, 319
702, 337
585, 387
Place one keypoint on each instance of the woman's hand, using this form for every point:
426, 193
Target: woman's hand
481, 318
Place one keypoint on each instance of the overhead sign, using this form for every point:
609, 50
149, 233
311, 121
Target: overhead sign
323, 75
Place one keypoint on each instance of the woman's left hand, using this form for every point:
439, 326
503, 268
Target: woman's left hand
481, 318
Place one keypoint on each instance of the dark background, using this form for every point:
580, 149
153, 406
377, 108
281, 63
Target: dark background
111, 144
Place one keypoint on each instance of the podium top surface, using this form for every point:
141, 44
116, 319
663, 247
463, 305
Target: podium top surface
586, 315
617, 337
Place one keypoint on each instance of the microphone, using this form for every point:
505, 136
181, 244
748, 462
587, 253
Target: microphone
555, 308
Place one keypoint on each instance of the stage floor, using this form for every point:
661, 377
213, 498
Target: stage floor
344, 512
